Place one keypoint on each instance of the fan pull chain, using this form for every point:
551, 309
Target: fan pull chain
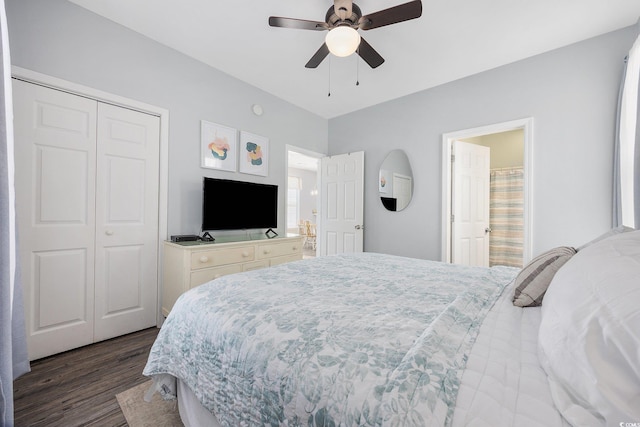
358, 67
329, 92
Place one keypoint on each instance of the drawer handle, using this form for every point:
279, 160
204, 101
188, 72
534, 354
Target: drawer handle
245, 254
266, 251
204, 258
295, 248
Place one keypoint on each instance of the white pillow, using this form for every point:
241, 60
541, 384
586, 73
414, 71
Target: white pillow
617, 230
589, 337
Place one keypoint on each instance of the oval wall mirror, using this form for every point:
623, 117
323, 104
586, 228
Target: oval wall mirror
395, 181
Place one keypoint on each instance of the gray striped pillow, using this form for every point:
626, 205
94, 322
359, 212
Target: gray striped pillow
534, 279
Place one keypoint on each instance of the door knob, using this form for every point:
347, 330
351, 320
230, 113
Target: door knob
109, 233
359, 227
487, 230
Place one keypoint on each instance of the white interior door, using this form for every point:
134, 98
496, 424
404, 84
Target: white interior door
401, 190
127, 221
470, 222
55, 156
342, 198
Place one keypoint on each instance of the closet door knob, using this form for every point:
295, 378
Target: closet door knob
109, 232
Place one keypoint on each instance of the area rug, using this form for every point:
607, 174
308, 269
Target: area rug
157, 413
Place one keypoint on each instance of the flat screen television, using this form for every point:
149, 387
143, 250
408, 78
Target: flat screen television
238, 205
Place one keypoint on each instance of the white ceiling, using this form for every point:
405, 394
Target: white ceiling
452, 39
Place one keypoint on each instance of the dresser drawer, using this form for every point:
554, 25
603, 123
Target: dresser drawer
215, 257
284, 259
255, 265
199, 277
279, 249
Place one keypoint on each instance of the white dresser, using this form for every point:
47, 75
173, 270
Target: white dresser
189, 264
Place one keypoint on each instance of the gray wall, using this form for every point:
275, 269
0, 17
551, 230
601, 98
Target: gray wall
571, 93
60, 39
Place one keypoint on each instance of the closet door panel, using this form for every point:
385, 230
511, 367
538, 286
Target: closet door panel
55, 154
59, 302
61, 171
127, 221
123, 278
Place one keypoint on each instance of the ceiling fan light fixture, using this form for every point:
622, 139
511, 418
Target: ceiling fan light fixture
342, 41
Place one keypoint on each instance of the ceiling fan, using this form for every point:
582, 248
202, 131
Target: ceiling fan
345, 16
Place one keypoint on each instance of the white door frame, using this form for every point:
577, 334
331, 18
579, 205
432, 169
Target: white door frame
98, 95
315, 155
526, 125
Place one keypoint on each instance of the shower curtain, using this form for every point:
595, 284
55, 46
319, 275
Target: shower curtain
506, 217
14, 360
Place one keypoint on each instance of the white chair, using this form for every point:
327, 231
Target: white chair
310, 234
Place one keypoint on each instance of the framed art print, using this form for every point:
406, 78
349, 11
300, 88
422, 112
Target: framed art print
254, 154
218, 146
383, 182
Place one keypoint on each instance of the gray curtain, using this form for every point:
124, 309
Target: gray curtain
14, 360
626, 191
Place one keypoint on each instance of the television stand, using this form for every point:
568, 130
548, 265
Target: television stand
189, 264
270, 233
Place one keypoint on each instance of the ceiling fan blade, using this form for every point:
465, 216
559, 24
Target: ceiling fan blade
369, 54
400, 13
318, 57
299, 24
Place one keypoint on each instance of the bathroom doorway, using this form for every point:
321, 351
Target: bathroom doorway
508, 204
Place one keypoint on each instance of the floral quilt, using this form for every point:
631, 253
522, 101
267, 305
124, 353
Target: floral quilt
346, 340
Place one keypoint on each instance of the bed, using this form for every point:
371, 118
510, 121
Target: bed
379, 340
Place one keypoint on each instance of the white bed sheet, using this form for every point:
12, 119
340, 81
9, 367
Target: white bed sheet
504, 384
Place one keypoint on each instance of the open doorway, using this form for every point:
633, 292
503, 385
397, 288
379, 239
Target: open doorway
302, 197
506, 196
508, 225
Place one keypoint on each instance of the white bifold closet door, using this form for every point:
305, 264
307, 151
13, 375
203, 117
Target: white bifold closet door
87, 203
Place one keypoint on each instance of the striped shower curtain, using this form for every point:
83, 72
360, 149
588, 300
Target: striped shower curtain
506, 217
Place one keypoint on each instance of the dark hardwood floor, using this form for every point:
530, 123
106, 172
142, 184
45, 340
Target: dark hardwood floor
79, 387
